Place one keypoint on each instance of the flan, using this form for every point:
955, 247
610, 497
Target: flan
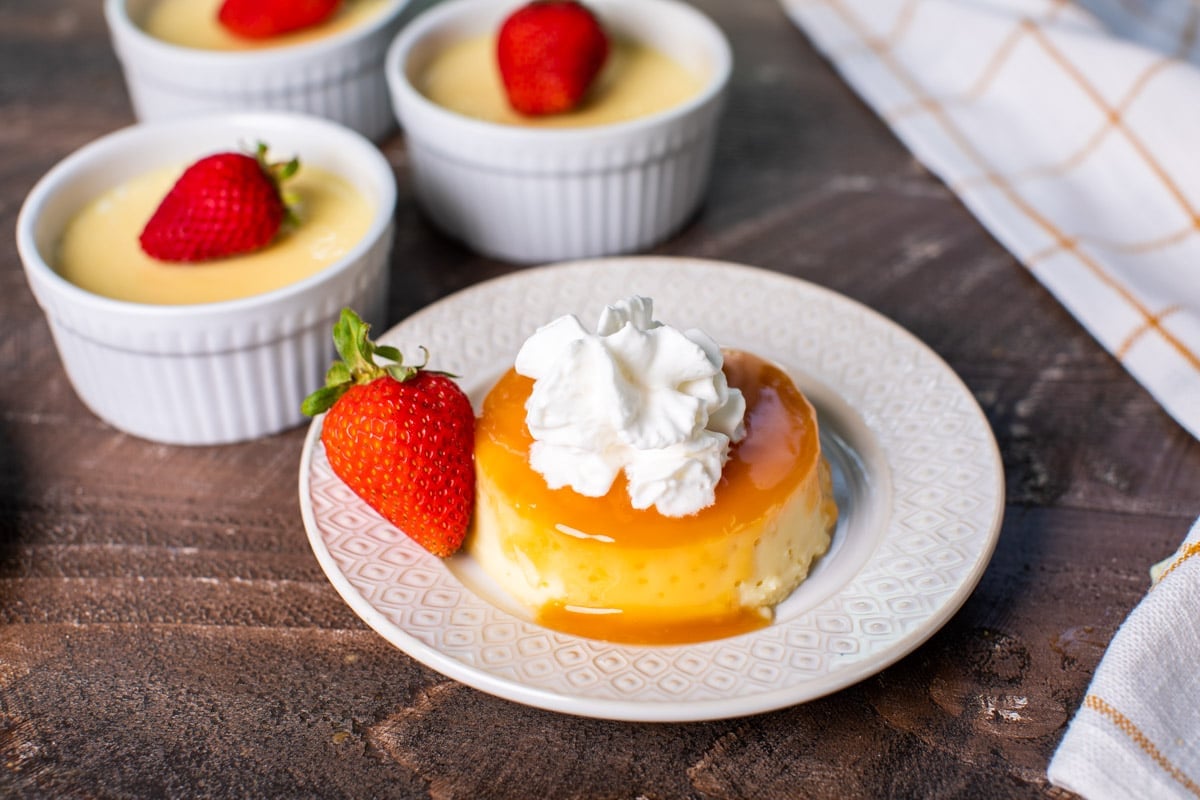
637, 81
99, 251
599, 568
194, 24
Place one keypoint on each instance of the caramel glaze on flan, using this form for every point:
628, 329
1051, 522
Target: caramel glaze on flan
596, 567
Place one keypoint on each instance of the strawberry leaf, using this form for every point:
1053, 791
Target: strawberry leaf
353, 343
338, 373
401, 372
389, 352
321, 400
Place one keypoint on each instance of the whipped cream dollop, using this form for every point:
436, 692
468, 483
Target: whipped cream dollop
637, 396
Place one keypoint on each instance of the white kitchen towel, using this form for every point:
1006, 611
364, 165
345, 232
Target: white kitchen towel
1137, 734
1072, 132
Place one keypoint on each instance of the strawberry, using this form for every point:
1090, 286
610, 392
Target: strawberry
223, 205
401, 437
549, 53
262, 19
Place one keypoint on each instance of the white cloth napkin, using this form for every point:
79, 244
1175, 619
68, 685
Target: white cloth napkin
1137, 734
1073, 135
1072, 132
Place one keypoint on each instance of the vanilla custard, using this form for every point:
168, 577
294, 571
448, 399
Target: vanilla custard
600, 568
100, 251
636, 81
193, 23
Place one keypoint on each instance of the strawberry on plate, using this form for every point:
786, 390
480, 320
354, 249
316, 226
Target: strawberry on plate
262, 19
223, 205
549, 52
401, 437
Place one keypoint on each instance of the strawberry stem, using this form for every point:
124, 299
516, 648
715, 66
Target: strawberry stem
358, 352
279, 172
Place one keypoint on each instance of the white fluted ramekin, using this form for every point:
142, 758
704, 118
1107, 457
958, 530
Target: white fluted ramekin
339, 77
208, 373
528, 195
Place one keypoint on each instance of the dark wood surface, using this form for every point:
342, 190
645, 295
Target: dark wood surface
166, 630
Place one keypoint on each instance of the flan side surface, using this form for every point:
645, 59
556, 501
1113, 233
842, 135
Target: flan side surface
598, 567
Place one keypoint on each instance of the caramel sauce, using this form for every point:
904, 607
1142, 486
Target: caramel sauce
779, 450
642, 629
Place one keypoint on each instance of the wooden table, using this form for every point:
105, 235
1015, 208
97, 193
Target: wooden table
168, 632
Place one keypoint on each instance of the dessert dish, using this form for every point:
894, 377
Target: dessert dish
911, 541
100, 251
333, 70
639, 485
195, 24
204, 372
544, 189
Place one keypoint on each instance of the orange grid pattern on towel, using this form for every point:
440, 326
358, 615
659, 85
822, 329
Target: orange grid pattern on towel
1141, 740
1137, 724
1070, 143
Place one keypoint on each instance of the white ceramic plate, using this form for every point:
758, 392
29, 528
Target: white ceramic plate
916, 470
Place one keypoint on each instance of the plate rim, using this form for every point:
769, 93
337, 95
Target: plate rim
649, 710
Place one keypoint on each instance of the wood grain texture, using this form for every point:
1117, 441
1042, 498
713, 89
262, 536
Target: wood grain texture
166, 632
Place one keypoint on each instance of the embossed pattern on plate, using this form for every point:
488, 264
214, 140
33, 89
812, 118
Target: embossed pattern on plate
917, 473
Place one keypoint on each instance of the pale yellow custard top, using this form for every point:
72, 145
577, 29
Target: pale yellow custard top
100, 251
636, 81
193, 23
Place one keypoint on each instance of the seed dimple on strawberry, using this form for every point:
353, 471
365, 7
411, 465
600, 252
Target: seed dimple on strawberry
549, 52
400, 436
223, 205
